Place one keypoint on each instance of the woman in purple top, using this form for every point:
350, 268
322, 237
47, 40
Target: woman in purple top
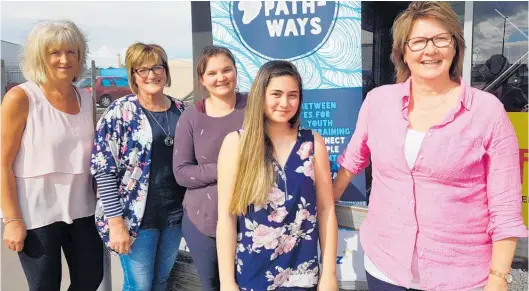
199, 135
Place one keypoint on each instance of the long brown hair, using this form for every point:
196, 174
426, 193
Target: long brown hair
440, 11
255, 174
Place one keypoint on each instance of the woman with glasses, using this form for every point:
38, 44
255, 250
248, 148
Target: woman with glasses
139, 208
445, 205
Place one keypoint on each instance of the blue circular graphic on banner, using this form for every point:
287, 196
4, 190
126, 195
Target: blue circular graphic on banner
286, 30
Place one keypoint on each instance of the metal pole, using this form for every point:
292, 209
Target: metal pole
468, 31
3, 77
106, 283
93, 75
503, 41
201, 37
504, 22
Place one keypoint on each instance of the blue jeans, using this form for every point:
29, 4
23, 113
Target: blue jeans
151, 258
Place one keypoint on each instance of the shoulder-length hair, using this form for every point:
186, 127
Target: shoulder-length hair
255, 175
445, 15
46, 34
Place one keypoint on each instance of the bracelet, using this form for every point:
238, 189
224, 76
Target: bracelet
13, 219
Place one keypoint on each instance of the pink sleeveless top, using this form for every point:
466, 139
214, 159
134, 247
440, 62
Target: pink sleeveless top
52, 166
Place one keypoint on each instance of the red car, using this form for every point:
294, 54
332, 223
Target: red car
108, 89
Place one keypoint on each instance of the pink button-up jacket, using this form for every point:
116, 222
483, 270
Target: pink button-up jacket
462, 194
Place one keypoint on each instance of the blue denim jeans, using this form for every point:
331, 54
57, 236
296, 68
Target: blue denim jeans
151, 258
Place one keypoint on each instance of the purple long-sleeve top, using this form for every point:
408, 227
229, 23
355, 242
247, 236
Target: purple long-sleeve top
198, 139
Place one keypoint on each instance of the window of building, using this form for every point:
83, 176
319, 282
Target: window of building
500, 52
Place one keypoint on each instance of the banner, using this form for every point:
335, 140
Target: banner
520, 123
323, 40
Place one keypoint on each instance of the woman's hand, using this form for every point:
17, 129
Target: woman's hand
328, 283
14, 235
496, 284
119, 235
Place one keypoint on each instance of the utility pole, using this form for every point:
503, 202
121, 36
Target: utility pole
504, 24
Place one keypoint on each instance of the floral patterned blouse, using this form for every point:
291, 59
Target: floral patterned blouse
122, 148
277, 244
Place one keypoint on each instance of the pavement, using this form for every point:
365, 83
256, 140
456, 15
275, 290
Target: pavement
12, 277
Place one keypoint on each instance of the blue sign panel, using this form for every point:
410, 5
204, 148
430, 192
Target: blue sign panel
292, 29
323, 40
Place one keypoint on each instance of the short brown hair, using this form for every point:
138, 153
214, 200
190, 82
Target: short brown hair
440, 11
137, 54
209, 52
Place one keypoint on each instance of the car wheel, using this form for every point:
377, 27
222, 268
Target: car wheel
105, 101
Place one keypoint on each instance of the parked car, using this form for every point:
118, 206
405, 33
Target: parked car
108, 89
10, 86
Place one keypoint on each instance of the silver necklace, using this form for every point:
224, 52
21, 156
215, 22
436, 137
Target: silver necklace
169, 141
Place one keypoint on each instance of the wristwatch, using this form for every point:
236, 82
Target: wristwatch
507, 277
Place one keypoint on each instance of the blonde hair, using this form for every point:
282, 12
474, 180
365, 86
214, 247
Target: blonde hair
440, 11
139, 53
45, 35
255, 174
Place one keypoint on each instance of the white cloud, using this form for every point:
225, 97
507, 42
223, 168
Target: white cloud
488, 37
110, 26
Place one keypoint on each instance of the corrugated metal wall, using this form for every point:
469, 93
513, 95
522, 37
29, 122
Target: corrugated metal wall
181, 78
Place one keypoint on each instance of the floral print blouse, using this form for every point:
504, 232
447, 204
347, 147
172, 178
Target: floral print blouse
122, 148
277, 244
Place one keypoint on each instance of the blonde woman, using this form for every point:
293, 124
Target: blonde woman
47, 130
272, 177
445, 208
139, 211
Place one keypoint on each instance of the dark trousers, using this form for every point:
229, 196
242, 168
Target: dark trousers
83, 250
375, 284
204, 253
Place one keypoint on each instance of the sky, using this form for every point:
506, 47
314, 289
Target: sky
110, 26
488, 30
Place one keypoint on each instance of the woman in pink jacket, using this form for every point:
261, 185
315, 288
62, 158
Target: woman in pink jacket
445, 209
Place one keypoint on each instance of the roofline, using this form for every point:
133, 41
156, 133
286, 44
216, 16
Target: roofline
11, 42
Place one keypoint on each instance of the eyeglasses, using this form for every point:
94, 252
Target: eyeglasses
419, 43
144, 72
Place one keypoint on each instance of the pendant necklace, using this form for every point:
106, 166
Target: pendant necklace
169, 141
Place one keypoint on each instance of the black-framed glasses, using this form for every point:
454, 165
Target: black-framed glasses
419, 43
144, 72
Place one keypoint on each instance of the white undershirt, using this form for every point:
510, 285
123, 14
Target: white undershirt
412, 146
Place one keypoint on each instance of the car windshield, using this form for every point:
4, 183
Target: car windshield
84, 83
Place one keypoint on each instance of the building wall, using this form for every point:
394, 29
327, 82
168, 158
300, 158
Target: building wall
181, 78
11, 73
10, 53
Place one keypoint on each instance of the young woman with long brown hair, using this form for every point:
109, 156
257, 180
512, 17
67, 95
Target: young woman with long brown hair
272, 177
